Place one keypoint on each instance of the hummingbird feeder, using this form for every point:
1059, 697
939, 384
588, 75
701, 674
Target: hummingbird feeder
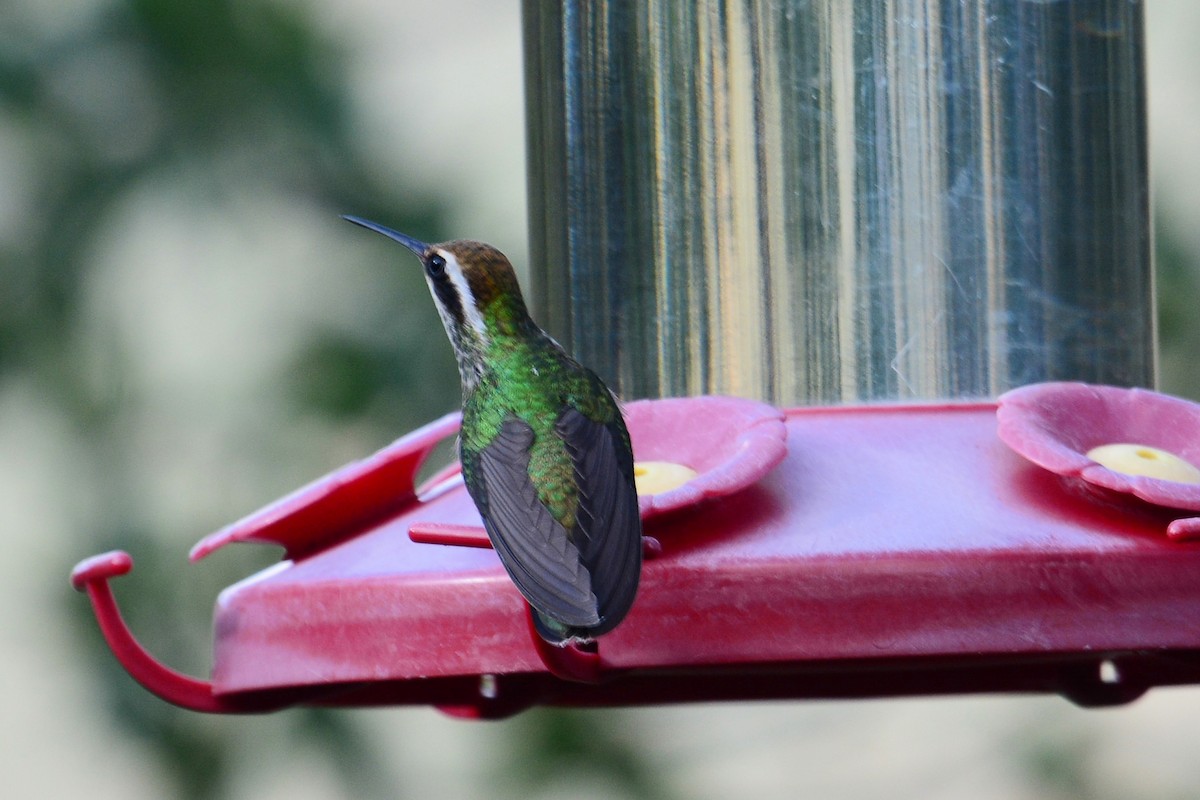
818, 552
827, 208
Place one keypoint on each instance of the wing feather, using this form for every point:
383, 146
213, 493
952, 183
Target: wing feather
534, 547
608, 529
586, 577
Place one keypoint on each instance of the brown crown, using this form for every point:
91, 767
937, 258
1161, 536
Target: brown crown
487, 270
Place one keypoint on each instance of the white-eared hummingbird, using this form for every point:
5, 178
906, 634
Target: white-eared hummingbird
545, 453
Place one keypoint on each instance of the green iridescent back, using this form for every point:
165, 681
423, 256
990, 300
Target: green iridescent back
535, 381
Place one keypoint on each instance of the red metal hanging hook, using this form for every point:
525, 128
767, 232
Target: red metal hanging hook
92, 576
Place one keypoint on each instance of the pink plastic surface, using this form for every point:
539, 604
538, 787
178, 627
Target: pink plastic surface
340, 504
731, 444
893, 550
1054, 425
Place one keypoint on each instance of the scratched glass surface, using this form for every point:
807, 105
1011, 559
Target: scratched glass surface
837, 200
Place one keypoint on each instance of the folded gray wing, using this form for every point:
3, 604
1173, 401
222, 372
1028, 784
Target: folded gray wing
608, 529
534, 547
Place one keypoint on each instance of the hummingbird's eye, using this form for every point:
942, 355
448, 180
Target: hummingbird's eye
436, 266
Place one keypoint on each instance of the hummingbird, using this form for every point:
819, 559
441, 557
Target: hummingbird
545, 453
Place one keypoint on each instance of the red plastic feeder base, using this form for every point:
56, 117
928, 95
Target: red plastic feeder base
870, 551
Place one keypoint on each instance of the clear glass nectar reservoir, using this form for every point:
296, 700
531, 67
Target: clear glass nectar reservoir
837, 201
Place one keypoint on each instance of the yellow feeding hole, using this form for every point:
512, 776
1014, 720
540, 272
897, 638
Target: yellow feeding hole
656, 477
1140, 459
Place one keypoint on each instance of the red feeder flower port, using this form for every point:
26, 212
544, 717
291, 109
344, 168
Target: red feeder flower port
818, 552
1152, 441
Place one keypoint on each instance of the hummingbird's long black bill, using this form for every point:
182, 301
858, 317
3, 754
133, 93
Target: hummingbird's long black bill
415, 245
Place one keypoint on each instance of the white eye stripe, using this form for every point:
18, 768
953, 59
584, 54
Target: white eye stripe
470, 310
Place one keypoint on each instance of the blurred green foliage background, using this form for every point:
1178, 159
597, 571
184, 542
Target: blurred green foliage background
188, 331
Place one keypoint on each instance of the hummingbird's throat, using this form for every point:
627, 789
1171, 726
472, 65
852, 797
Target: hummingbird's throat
469, 349
470, 370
